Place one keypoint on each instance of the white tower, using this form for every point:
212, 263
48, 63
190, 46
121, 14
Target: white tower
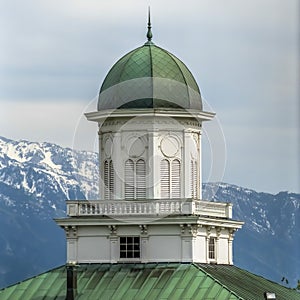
150, 208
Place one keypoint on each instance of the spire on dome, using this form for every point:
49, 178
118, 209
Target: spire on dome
149, 33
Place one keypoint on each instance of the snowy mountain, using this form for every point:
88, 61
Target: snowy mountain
37, 178
269, 242
35, 181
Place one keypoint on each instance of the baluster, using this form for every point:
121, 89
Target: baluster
172, 208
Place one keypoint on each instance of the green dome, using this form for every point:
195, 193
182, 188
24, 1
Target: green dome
149, 77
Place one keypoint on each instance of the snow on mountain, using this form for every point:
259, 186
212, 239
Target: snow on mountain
30, 166
37, 178
35, 181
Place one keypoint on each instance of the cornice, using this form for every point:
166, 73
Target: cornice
100, 116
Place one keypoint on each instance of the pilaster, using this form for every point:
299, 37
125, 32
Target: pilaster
72, 239
186, 170
230, 241
117, 158
144, 243
114, 244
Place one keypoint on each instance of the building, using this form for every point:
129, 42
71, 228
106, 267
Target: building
150, 235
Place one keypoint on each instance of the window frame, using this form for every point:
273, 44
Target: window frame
212, 249
130, 248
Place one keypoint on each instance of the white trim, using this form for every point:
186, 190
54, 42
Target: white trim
100, 116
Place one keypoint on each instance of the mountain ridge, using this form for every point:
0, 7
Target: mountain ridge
37, 178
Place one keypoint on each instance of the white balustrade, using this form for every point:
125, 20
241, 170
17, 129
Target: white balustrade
149, 207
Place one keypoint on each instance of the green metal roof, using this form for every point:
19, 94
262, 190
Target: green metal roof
149, 281
149, 77
248, 285
123, 281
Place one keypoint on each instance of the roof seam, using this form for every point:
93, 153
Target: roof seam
186, 67
125, 64
184, 79
129, 56
215, 279
30, 278
151, 66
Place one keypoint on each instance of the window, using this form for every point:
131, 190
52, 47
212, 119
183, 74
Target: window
109, 179
130, 247
212, 248
170, 186
135, 179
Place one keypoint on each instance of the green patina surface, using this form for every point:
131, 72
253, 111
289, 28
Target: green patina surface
149, 281
248, 285
150, 61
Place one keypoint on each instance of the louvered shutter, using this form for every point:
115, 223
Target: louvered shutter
165, 179
175, 178
111, 179
140, 179
129, 179
194, 179
106, 193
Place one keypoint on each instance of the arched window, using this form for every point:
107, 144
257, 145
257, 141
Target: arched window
170, 184
135, 179
109, 179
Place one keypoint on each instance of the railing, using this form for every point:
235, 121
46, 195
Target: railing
150, 207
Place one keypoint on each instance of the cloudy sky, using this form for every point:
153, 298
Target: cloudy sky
244, 55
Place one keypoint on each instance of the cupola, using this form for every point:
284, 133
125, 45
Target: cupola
150, 207
149, 77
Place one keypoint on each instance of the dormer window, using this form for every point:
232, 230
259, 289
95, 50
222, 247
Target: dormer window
130, 247
212, 248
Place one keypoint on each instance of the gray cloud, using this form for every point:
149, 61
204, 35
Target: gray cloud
244, 55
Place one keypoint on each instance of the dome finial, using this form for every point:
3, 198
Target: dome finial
149, 33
